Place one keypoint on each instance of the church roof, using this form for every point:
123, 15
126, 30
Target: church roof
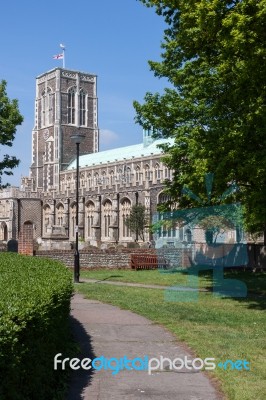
120, 154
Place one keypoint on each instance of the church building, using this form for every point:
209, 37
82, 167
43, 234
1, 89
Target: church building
110, 181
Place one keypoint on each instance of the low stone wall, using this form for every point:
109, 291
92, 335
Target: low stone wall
120, 258
95, 258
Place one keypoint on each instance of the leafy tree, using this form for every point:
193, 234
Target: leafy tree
214, 57
137, 220
10, 117
213, 225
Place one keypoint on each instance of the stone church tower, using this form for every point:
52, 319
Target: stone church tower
66, 101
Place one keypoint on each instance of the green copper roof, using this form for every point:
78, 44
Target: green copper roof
120, 154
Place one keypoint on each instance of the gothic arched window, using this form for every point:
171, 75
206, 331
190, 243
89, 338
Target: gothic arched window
107, 213
128, 174
112, 177
43, 108
71, 110
147, 171
96, 179
82, 107
89, 181
124, 213
163, 198
104, 179
171, 227
157, 171
82, 179
139, 174
59, 214
46, 217
50, 106
63, 184
90, 210
3, 232
73, 220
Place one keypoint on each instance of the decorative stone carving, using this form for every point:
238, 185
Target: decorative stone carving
69, 74
47, 77
87, 78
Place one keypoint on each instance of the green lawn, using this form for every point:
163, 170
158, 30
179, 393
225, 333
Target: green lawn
255, 282
127, 275
223, 328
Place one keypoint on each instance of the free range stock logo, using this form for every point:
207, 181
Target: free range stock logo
179, 238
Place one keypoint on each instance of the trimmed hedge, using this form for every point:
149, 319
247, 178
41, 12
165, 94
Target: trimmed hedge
35, 299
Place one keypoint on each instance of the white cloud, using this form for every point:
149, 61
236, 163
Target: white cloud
107, 137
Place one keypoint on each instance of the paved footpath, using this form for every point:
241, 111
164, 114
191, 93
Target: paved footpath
103, 329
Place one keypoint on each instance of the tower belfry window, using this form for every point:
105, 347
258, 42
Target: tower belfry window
43, 108
47, 106
71, 106
82, 108
50, 106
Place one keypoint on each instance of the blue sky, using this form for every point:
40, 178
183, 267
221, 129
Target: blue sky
113, 39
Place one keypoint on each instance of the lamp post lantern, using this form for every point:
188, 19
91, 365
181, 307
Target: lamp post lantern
77, 138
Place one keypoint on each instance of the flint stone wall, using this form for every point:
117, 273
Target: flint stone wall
95, 258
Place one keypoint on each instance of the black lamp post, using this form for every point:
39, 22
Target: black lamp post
77, 138
137, 203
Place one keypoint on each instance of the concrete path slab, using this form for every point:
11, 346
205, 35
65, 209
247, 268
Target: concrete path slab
102, 329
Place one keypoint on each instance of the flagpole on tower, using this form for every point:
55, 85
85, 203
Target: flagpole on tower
63, 47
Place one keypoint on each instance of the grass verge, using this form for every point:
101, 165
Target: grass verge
223, 328
255, 282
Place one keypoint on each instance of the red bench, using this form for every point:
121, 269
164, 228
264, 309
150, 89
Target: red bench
148, 261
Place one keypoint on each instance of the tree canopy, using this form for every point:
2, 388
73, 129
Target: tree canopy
137, 220
10, 117
214, 57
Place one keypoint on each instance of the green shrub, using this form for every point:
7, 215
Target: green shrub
35, 299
